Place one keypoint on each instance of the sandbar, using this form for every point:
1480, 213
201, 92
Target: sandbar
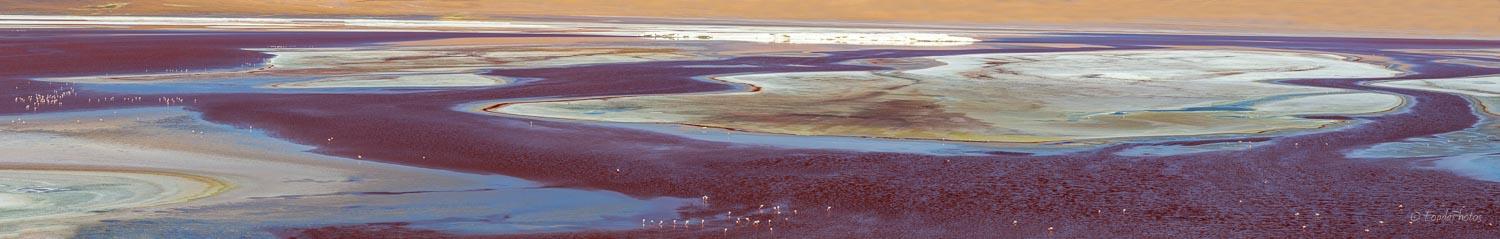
390, 66
1014, 98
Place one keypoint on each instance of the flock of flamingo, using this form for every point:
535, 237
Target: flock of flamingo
54, 98
752, 222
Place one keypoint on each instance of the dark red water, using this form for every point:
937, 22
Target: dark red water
1249, 193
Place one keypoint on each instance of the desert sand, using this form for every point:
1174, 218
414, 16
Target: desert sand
1387, 17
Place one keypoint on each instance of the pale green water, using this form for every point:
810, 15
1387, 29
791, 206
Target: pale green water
35, 194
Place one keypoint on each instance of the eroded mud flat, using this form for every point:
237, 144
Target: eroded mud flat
1025, 98
1485, 89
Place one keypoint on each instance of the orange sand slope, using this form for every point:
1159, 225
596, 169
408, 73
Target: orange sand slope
1462, 18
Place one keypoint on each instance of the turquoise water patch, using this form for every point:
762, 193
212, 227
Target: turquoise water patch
1440, 145
1477, 166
